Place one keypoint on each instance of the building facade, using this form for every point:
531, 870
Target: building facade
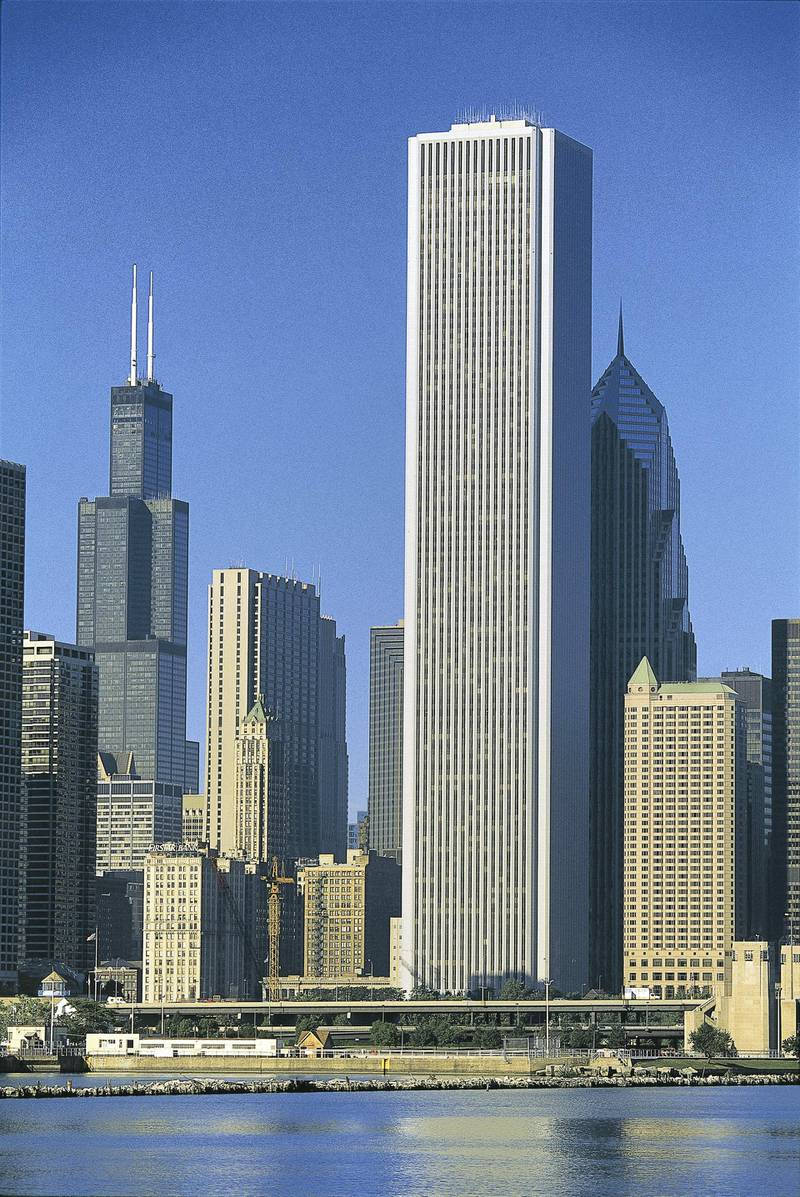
120, 915
495, 729
133, 814
686, 846
204, 926
193, 820
59, 767
262, 812
755, 691
132, 586
267, 637
385, 801
639, 584
12, 801
347, 911
785, 869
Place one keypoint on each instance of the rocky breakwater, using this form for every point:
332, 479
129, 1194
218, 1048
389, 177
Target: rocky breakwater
555, 1078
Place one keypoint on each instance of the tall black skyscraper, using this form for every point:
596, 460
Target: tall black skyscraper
755, 691
639, 609
12, 803
132, 583
785, 871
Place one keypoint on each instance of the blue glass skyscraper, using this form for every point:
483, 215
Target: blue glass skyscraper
639, 587
132, 584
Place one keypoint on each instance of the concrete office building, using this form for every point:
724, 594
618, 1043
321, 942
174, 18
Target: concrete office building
12, 803
755, 691
496, 670
132, 585
204, 926
267, 637
639, 609
785, 864
261, 799
347, 910
59, 755
686, 845
133, 814
193, 818
385, 801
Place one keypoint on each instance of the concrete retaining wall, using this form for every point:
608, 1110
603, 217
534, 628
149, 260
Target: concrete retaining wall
377, 1065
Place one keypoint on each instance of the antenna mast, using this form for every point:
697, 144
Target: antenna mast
150, 350
132, 378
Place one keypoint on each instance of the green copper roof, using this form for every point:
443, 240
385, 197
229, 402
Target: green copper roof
706, 686
643, 674
257, 714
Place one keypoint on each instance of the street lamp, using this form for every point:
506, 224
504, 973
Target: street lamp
547, 985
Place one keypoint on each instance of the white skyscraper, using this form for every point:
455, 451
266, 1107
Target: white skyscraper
495, 767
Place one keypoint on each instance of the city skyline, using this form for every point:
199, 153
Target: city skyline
697, 374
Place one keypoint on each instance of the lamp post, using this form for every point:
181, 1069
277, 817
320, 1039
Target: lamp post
547, 985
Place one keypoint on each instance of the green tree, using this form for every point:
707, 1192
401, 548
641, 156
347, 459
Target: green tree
577, 1037
384, 1034
306, 1022
711, 1041
512, 990
420, 994
87, 1018
487, 1037
23, 1012
791, 1046
614, 1037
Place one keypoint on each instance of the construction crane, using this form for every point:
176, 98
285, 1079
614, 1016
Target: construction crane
275, 883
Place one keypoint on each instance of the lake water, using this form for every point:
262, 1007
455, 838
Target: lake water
552, 1142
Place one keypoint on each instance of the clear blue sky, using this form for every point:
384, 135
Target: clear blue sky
254, 156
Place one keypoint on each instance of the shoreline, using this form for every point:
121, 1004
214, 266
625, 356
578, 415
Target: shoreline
202, 1086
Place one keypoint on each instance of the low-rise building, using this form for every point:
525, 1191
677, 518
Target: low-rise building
347, 910
204, 925
789, 992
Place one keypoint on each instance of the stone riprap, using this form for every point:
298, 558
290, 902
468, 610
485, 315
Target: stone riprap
199, 1086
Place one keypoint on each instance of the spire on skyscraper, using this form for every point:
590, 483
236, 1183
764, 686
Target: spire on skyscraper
150, 349
620, 335
132, 379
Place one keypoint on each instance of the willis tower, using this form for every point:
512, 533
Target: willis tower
133, 550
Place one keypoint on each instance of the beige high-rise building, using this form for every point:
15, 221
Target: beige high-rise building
685, 833
347, 911
204, 925
267, 636
261, 803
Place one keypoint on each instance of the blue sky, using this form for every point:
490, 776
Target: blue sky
254, 156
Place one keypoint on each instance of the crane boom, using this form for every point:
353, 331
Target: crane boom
275, 883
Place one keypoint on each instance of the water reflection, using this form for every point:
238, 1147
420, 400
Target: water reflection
572, 1142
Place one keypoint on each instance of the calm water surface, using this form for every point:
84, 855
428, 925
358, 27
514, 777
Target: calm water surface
553, 1142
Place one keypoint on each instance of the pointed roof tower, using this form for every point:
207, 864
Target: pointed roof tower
643, 675
620, 334
257, 714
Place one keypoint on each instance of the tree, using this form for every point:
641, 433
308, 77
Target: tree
23, 1012
512, 990
791, 1046
87, 1018
578, 1037
711, 1041
384, 1034
487, 1037
421, 994
614, 1036
306, 1022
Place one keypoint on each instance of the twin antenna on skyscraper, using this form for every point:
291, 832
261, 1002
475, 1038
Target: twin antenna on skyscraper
151, 356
